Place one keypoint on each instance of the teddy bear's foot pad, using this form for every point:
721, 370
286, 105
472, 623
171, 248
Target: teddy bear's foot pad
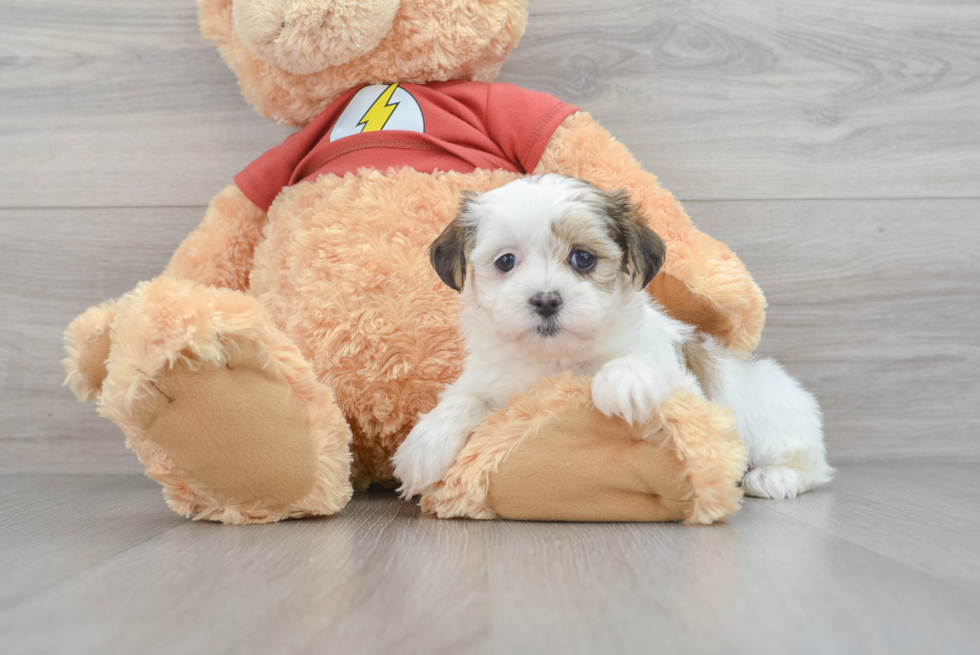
551, 456
234, 430
222, 408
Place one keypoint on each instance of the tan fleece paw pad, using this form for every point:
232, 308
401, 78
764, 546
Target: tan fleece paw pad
551, 456
235, 430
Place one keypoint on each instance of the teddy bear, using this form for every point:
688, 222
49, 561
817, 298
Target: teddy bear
295, 336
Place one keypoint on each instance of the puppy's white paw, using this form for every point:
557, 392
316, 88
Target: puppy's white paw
629, 390
426, 455
772, 482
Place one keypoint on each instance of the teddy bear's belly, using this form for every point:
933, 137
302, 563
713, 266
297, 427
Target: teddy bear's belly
344, 271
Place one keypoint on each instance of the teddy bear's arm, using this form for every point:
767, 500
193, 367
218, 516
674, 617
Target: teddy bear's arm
703, 282
219, 252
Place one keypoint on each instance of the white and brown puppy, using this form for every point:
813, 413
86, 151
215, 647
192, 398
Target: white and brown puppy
551, 272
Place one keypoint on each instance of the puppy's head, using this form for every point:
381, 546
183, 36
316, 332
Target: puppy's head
548, 260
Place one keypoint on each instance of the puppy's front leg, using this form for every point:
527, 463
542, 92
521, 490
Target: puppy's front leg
630, 387
431, 447
633, 386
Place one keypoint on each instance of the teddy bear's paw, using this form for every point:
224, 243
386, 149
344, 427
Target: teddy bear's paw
233, 431
222, 408
551, 456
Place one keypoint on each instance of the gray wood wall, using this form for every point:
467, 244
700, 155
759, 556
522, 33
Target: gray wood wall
835, 145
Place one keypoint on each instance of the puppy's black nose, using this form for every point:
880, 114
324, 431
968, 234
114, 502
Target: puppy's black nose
546, 304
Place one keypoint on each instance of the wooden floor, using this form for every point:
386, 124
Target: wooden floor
834, 144
885, 560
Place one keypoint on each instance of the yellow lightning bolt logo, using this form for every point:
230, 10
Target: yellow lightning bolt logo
375, 118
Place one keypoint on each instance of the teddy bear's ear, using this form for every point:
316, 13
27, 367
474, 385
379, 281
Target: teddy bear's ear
448, 252
644, 251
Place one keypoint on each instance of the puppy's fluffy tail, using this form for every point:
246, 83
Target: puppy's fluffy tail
778, 419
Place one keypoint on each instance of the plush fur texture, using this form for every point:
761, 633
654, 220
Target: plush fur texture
344, 272
221, 250
168, 321
698, 432
592, 254
87, 344
428, 41
306, 36
218, 253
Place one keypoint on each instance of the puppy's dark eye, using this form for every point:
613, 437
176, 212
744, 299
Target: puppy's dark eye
582, 261
505, 263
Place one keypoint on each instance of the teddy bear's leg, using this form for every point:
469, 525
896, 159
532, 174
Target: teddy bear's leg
703, 282
218, 253
550, 455
221, 407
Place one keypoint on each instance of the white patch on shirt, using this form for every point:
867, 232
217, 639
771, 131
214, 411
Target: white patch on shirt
379, 107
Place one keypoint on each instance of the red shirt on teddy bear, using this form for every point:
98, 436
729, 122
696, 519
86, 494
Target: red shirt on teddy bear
447, 126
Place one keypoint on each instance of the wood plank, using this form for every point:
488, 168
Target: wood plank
359, 582
10, 483
739, 99
764, 583
118, 103
907, 511
872, 304
122, 103
378, 578
56, 530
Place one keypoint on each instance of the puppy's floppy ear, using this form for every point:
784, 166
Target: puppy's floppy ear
448, 252
644, 251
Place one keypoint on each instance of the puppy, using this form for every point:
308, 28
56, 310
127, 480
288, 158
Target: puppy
551, 273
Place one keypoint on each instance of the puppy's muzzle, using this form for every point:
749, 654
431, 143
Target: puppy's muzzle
546, 304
